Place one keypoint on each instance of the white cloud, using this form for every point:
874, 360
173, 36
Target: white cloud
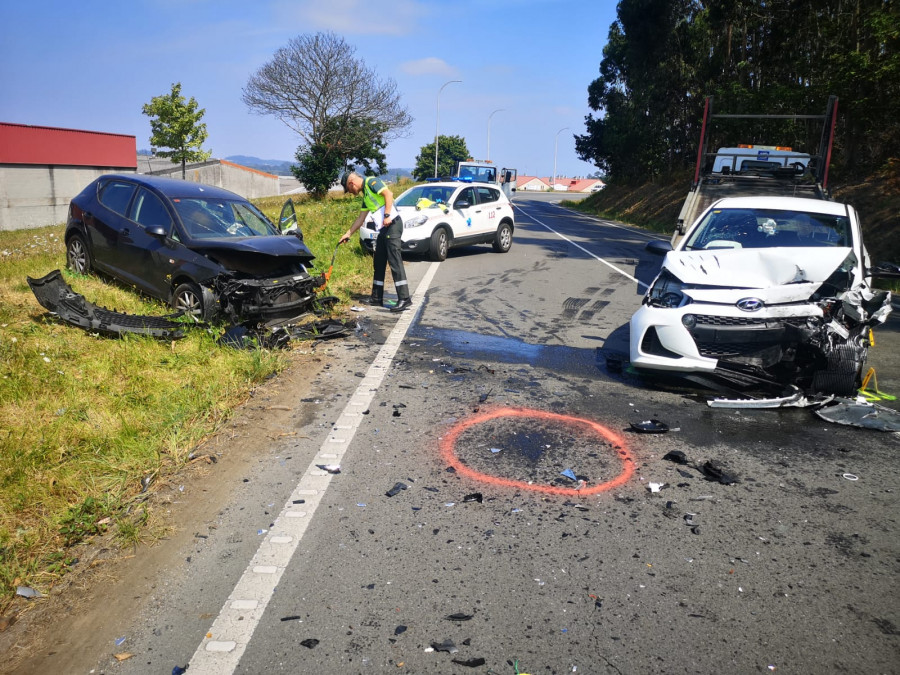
429, 66
350, 17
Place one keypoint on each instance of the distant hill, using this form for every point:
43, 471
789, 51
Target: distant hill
283, 168
277, 166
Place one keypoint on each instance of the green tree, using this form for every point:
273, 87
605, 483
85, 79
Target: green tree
646, 91
347, 142
664, 57
317, 168
341, 109
175, 124
451, 149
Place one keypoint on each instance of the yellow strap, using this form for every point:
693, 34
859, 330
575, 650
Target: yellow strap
873, 394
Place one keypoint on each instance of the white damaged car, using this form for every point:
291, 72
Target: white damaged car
776, 288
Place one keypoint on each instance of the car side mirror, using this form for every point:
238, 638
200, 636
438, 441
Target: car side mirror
157, 231
462, 204
658, 247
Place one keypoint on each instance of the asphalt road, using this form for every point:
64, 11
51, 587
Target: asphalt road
511, 372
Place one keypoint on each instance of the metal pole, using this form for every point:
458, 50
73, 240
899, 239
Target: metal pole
555, 146
437, 124
489, 131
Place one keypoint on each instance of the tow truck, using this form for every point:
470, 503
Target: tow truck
485, 171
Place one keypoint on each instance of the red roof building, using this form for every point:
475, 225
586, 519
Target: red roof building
26, 144
42, 168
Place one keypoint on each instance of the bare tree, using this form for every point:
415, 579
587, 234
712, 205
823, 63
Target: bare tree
318, 78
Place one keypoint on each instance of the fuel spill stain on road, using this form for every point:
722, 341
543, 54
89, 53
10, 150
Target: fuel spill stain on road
509, 441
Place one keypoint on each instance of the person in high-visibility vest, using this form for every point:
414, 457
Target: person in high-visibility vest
379, 201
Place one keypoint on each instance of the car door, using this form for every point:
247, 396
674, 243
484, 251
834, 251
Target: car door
287, 221
489, 205
144, 256
107, 221
467, 214
508, 182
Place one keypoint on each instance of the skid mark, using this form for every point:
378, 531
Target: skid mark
597, 306
571, 306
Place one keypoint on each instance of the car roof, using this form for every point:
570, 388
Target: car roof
783, 204
177, 188
456, 184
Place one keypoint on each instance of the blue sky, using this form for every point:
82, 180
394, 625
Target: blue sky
92, 64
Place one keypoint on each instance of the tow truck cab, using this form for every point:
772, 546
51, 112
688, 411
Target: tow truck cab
757, 158
485, 171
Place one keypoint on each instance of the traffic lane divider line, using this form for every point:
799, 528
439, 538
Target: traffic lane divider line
582, 248
233, 628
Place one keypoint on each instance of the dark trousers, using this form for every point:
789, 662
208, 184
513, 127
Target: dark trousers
387, 251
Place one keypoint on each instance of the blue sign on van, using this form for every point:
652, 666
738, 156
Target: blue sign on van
762, 155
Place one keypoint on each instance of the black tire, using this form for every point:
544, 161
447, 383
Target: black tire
191, 300
440, 244
503, 239
78, 257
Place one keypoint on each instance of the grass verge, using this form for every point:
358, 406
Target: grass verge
84, 418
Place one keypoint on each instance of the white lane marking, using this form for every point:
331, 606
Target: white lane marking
233, 628
579, 246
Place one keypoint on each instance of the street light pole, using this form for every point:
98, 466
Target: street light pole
555, 147
437, 124
489, 131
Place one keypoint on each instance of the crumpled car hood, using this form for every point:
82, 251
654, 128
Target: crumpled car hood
755, 267
789, 274
255, 255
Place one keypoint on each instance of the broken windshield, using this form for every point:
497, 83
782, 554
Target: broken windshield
222, 218
769, 228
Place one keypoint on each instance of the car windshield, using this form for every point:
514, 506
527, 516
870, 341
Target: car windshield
768, 228
218, 218
433, 193
482, 174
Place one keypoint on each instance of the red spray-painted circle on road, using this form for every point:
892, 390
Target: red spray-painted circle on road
448, 451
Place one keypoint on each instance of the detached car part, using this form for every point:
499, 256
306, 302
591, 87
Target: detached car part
59, 299
859, 414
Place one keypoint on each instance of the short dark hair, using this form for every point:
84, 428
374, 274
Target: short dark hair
344, 177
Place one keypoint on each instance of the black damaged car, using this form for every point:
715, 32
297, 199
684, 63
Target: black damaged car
202, 249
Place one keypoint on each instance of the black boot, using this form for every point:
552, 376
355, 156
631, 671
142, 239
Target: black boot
402, 305
377, 297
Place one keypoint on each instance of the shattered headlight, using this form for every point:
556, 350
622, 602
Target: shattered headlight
667, 292
417, 221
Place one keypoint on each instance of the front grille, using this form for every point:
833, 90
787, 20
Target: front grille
704, 320
714, 350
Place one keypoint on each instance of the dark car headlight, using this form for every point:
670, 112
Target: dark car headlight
667, 291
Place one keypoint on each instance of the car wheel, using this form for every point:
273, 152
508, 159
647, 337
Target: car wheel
503, 238
77, 255
188, 298
440, 243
